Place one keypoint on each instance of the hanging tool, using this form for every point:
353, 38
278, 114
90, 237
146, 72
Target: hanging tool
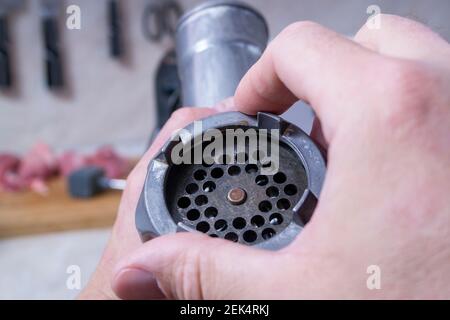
50, 31
7, 7
160, 18
116, 48
168, 91
5, 61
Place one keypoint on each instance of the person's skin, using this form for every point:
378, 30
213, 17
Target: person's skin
383, 101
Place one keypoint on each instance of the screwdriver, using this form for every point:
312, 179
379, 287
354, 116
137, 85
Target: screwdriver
90, 181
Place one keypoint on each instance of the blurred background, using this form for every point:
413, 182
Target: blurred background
107, 101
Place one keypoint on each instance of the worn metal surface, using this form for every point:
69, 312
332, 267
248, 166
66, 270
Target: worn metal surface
216, 44
194, 197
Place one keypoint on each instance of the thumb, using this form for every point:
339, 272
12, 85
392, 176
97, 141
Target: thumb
194, 266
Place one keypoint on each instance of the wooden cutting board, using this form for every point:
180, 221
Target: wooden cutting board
29, 213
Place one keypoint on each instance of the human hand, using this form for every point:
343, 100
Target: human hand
124, 237
383, 104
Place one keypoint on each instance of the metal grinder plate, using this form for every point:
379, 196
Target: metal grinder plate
239, 194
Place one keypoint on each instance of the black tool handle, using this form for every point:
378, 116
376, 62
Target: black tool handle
115, 29
5, 60
53, 61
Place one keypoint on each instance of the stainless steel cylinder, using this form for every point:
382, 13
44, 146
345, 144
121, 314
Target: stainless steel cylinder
217, 43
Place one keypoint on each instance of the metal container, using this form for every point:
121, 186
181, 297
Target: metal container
217, 43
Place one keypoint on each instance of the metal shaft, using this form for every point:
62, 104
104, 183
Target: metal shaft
112, 184
217, 43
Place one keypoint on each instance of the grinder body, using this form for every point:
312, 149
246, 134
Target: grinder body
216, 44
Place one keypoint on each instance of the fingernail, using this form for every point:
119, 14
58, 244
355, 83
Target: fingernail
136, 284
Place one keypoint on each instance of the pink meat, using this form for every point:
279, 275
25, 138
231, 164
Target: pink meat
71, 161
107, 159
9, 165
41, 164
36, 167
8, 162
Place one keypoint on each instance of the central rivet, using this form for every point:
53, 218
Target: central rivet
237, 196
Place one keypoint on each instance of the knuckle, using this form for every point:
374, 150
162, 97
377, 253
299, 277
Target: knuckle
187, 280
195, 275
301, 26
181, 114
298, 30
408, 77
300, 34
408, 89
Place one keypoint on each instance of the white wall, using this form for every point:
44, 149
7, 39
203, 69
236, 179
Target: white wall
111, 102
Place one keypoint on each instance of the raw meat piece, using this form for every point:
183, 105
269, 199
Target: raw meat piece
9, 165
41, 164
70, 161
107, 159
